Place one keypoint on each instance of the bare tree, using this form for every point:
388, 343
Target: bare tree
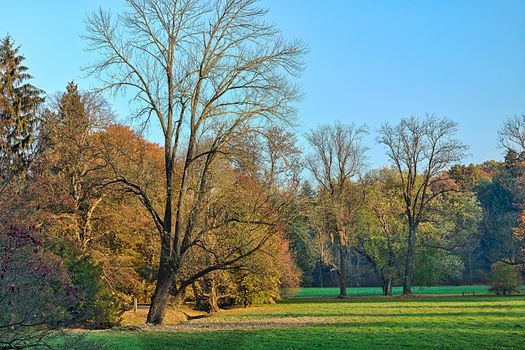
421, 150
338, 155
512, 134
210, 73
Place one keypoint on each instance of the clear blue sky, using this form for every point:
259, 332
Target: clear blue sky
369, 61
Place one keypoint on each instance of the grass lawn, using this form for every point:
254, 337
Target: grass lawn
390, 323
376, 291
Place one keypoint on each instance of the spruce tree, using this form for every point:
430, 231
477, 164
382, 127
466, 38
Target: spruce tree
19, 103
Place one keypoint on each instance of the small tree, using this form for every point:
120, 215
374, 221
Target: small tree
512, 134
383, 232
505, 279
338, 156
71, 163
437, 266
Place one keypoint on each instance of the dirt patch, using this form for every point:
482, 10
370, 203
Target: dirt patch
224, 324
174, 316
177, 320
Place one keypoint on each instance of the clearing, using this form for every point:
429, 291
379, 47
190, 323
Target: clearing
418, 322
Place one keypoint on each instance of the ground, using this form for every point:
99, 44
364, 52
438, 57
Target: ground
419, 322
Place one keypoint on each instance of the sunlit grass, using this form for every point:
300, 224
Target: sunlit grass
393, 323
376, 291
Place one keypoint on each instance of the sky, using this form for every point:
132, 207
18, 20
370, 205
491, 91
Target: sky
369, 61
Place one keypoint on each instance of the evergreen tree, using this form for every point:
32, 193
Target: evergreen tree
19, 102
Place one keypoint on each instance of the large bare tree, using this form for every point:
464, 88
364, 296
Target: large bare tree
337, 156
210, 73
421, 150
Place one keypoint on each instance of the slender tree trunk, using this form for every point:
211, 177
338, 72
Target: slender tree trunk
159, 301
357, 273
179, 296
387, 290
469, 266
343, 258
387, 287
320, 272
409, 261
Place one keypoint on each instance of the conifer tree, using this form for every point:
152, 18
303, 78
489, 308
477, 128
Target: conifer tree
19, 102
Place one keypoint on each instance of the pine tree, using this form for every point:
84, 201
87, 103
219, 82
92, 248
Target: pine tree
19, 102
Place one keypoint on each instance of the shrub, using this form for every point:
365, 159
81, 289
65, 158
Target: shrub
36, 293
436, 266
98, 306
505, 279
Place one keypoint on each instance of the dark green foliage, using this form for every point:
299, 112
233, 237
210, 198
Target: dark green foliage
19, 102
98, 307
499, 199
436, 266
505, 279
302, 243
499, 190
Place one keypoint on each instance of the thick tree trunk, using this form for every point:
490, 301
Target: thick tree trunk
160, 298
206, 297
409, 261
213, 299
159, 301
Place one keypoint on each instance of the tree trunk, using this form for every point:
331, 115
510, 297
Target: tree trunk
409, 262
343, 258
320, 272
469, 266
213, 300
357, 273
159, 301
387, 287
179, 296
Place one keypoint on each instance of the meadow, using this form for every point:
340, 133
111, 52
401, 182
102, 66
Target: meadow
376, 291
417, 322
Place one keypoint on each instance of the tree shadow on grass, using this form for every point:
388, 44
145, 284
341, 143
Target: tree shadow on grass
343, 336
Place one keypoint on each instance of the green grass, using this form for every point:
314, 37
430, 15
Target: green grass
390, 323
376, 291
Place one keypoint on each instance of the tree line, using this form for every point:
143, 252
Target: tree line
228, 209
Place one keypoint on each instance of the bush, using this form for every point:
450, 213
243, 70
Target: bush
505, 279
98, 306
36, 294
436, 266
